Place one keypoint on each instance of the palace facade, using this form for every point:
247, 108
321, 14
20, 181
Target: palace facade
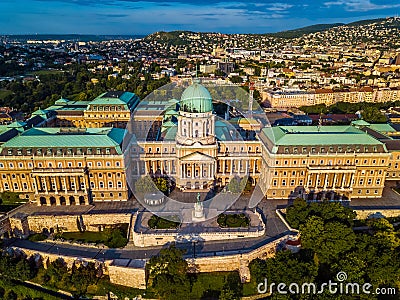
72, 153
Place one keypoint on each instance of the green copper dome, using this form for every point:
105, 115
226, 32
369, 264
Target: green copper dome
196, 99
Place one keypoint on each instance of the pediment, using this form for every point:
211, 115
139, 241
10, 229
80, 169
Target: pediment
197, 157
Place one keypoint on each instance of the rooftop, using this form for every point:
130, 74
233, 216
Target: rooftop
315, 135
70, 137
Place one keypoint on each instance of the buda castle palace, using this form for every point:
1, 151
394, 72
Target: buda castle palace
75, 152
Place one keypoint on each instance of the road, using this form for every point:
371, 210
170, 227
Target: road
275, 229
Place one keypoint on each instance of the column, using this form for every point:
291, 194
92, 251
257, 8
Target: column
351, 180
74, 180
224, 166
343, 181
146, 168
55, 185
247, 167
231, 167
201, 171
316, 182
137, 168
84, 185
334, 181
35, 184
45, 185
65, 184
169, 167
326, 181
192, 171
307, 183
254, 168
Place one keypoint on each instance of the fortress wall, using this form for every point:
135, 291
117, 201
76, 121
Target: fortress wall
365, 213
132, 277
5, 226
92, 222
68, 222
154, 239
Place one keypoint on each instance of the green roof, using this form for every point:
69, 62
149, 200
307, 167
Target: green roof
126, 99
382, 127
196, 98
171, 112
68, 137
171, 133
167, 125
62, 101
40, 112
16, 124
314, 135
360, 123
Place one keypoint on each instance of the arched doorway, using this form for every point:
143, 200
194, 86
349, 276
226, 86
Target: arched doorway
72, 200
52, 200
43, 201
81, 200
63, 201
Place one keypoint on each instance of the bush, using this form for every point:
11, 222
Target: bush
156, 222
233, 220
117, 239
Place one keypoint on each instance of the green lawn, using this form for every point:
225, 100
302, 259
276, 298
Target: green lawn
37, 237
155, 222
233, 220
22, 291
111, 237
208, 285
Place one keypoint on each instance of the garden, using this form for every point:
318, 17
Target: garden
233, 220
170, 222
111, 237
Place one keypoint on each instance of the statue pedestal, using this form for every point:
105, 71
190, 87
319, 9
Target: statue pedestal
198, 212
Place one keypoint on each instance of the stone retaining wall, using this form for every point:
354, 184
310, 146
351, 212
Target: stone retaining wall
365, 213
25, 225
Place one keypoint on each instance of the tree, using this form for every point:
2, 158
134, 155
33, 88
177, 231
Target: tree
145, 185
168, 274
82, 276
328, 241
300, 212
117, 239
232, 288
236, 79
234, 185
162, 184
373, 115
10, 295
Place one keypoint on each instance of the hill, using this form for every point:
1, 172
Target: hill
295, 33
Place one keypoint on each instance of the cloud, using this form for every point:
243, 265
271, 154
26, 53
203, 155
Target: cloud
359, 5
279, 7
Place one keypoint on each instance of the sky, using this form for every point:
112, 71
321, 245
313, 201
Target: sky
144, 17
